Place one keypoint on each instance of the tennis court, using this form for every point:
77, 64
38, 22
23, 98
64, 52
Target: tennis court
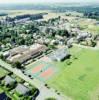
40, 70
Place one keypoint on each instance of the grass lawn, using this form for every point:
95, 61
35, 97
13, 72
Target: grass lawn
94, 29
79, 79
3, 72
1, 90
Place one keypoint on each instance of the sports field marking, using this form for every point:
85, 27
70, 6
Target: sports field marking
37, 69
47, 73
41, 70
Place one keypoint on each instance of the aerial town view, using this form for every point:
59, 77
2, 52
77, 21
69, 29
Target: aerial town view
49, 50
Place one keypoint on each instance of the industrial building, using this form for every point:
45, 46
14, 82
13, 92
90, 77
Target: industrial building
24, 53
59, 54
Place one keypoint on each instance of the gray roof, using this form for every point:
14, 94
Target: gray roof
28, 54
8, 80
22, 89
59, 54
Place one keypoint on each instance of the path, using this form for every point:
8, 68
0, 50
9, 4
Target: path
86, 47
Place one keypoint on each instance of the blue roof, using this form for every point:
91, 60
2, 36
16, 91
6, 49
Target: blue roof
3, 96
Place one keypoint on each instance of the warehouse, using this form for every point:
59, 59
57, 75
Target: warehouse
60, 54
22, 55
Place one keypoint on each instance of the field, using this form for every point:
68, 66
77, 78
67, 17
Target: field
89, 25
79, 79
52, 15
94, 29
13, 13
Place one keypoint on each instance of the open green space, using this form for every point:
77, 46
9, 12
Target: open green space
89, 26
1, 90
80, 77
3, 72
94, 29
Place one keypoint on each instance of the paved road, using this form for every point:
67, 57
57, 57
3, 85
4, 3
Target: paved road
86, 47
44, 92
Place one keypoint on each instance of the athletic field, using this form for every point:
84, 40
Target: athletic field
80, 78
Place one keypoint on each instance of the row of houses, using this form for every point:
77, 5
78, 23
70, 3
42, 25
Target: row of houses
20, 89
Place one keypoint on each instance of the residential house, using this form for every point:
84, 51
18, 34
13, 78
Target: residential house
9, 81
22, 90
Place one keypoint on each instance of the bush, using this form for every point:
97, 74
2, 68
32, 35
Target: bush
2, 57
50, 98
17, 65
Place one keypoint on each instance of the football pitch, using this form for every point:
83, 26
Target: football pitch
79, 78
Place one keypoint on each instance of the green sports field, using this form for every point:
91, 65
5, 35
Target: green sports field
79, 79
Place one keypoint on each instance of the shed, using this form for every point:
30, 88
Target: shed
9, 80
21, 89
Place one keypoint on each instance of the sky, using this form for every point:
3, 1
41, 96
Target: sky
43, 1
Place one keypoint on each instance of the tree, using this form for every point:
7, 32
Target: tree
2, 57
17, 65
50, 98
51, 47
93, 43
21, 41
63, 33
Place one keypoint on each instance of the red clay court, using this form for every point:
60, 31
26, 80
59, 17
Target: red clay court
47, 73
38, 68
41, 70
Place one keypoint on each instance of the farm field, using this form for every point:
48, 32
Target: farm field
94, 29
13, 13
79, 79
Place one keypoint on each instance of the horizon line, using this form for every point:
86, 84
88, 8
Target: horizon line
50, 2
